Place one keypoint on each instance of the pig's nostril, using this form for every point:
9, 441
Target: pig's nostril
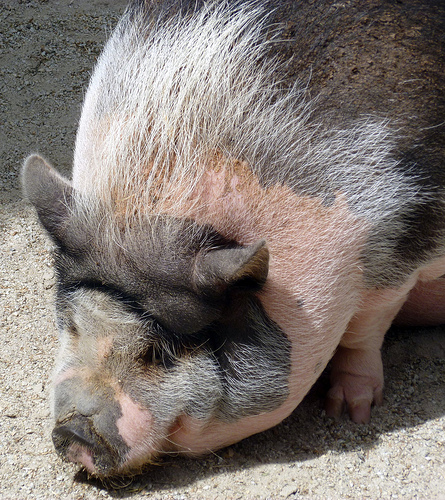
76, 440
73, 432
76, 430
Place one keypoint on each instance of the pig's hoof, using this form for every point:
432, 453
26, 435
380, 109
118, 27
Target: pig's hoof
355, 395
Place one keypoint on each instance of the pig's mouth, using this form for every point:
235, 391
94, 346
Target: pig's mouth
76, 440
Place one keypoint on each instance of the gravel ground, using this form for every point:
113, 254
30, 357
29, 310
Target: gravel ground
47, 49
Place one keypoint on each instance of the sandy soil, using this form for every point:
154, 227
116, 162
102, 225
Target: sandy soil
47, 49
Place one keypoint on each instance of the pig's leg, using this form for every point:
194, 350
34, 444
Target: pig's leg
357, 371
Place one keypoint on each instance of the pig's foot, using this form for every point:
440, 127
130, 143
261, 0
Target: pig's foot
357, 371
357, 383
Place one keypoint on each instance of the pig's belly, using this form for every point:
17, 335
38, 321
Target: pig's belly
425, 304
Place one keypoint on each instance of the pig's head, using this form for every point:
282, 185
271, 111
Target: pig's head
164, 343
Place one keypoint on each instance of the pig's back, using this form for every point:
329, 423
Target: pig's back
355, 108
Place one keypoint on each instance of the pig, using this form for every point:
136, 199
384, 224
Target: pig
257, 189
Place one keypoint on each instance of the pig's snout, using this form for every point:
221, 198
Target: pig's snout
76, 440
86, 427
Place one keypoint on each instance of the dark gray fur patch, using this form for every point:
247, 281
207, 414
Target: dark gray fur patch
255, 364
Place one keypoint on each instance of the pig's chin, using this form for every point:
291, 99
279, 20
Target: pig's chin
194, 437
102, 466
185, 436
83, 456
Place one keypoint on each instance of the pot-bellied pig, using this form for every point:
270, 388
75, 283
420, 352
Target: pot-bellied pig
257, 188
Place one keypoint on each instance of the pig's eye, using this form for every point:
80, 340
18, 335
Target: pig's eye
73, 330
155, 356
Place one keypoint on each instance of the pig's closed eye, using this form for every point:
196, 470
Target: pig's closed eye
156, 355
72, 330
153, 355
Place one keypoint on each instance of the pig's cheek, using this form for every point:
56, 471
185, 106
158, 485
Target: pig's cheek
136, 428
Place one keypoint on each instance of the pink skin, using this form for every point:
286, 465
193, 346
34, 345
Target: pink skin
195, 437
64, 375
81, 455
136, 428
425, 304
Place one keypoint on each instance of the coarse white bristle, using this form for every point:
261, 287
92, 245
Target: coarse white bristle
167, 96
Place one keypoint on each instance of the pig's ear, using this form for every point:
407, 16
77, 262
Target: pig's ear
241, 267
50, 193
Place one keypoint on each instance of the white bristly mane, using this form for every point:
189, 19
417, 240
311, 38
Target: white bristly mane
165, 96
